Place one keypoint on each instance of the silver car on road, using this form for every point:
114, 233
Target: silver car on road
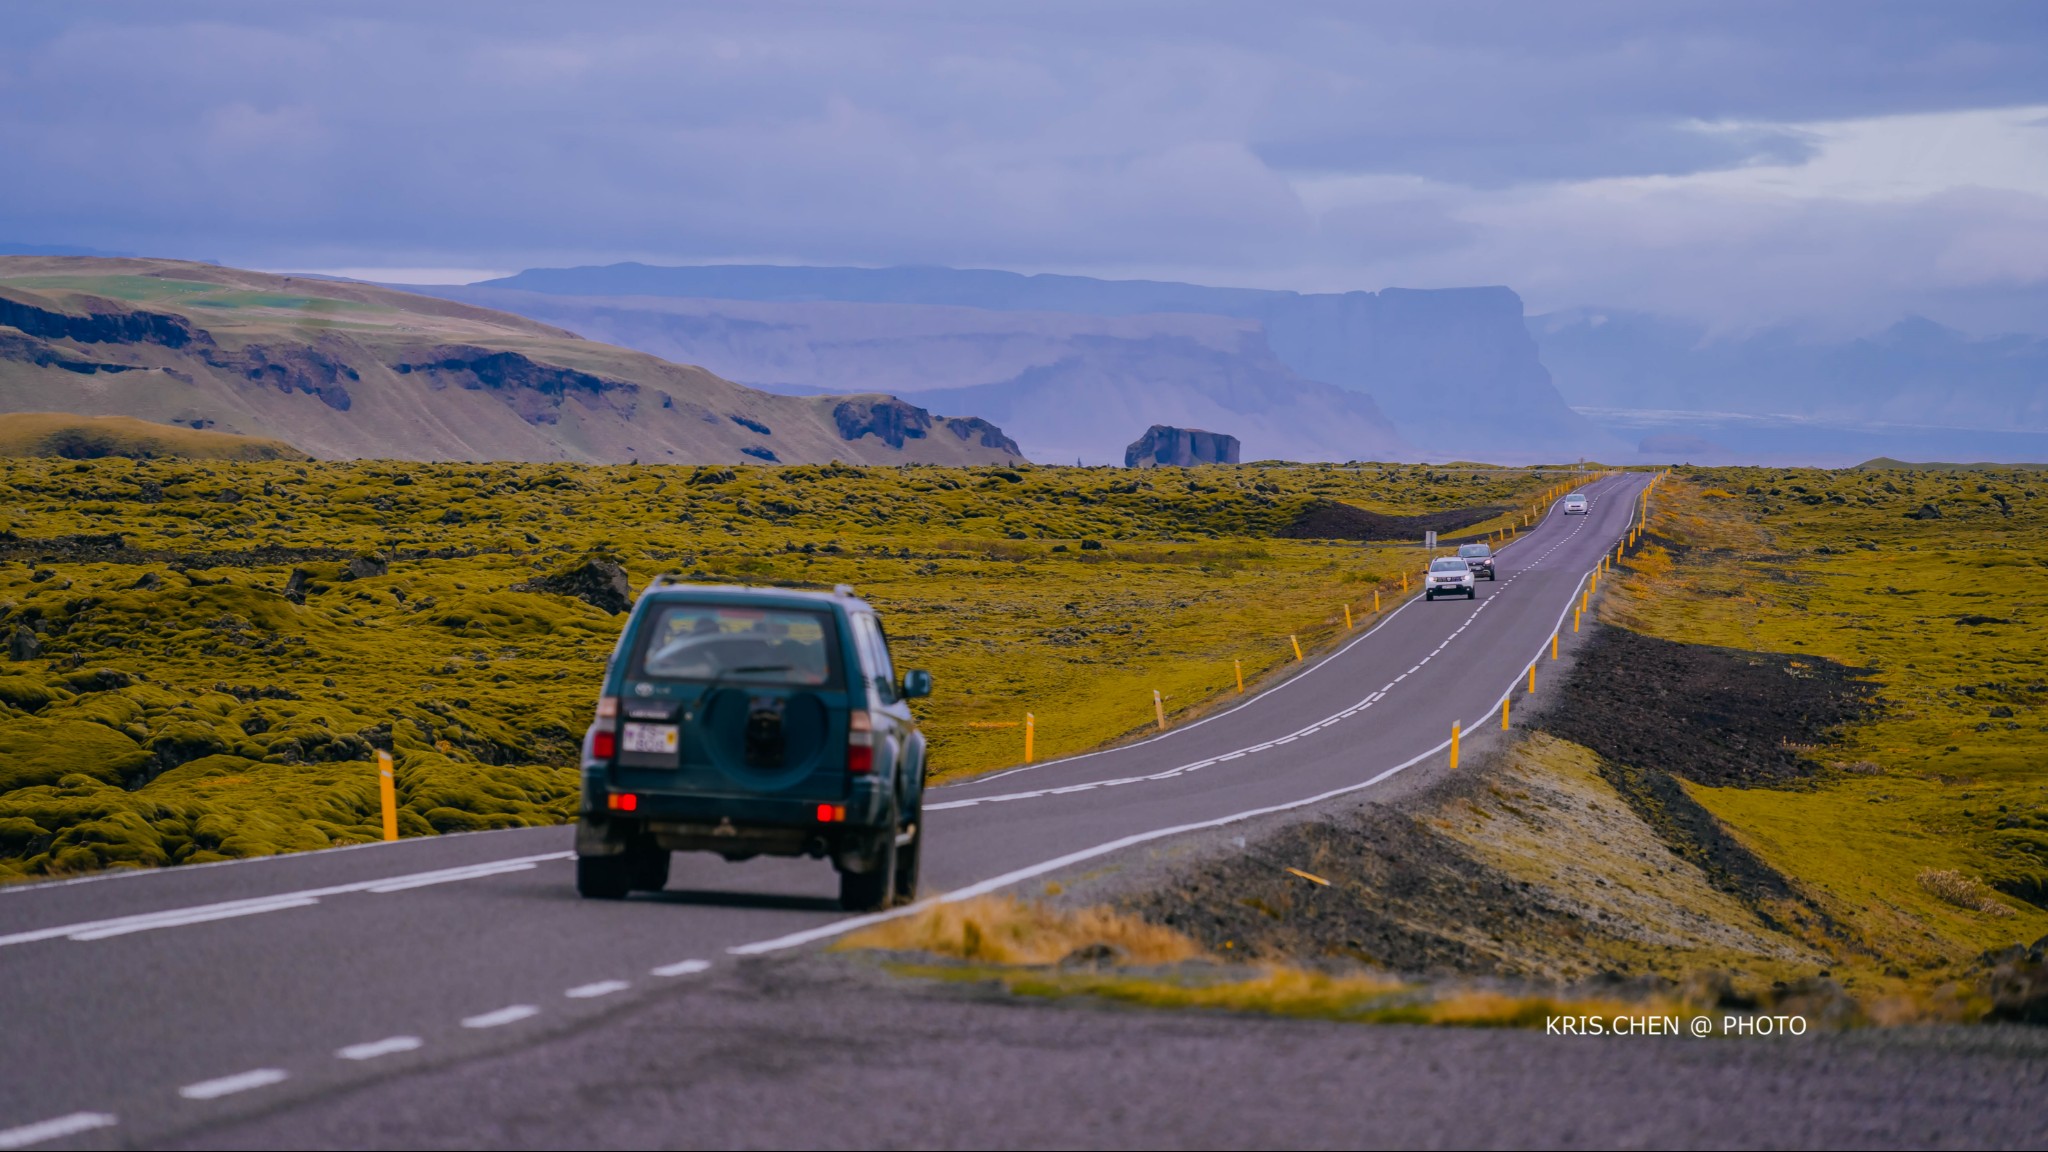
1450, 576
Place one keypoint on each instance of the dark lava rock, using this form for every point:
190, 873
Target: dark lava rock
886, 418
1164, 446
148, 581
598, 581
2018, 983
24, 644
1331, 520
981, 432
1716, 716
367, 565
1924, 512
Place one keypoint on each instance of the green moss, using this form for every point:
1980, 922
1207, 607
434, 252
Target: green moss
254, 716
38, 751
1954, 630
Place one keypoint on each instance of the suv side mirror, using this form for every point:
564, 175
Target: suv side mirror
916, 682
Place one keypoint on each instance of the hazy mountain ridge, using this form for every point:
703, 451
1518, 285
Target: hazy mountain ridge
343, 370
1066, 385
1914, 372
1453, 369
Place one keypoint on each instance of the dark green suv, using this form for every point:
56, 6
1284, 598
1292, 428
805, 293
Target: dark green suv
749, 721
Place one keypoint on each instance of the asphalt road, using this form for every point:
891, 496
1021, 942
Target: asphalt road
143, 1006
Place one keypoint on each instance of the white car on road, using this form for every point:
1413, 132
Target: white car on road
1575, 504
1450, 576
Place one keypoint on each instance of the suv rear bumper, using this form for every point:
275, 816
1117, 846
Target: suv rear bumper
733, 826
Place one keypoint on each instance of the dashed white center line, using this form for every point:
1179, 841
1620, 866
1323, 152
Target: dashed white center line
682, 968
229, 1085
386, 1047
593, 991
509, 1015
54, 1129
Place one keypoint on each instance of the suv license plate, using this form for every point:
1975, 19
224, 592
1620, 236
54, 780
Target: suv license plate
650, 738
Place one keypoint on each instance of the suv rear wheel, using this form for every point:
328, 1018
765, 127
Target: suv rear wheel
650, 867
872, 890
604, 877
906, 859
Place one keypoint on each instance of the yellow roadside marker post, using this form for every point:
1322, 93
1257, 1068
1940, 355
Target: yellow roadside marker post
1347, 617
1297, 647
1503, 713
1532, 675
1237, 666
1575, 620
1404, 583
1159, 708
1375, 601
1454, 745
1030, 726
1553, 645
387, 793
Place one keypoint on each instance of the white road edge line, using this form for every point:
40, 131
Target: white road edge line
507, 1015
390, 1045
1005, 880
55, 1128
594, 990
996, 883
229, 1085
681, 968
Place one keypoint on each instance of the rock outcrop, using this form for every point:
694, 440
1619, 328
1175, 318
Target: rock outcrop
1163, 446
598, 581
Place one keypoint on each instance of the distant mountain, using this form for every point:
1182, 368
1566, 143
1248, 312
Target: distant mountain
1914, 372
342, 369
1453, 369
1067, 386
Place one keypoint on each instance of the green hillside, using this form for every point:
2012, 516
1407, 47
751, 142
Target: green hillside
91, 437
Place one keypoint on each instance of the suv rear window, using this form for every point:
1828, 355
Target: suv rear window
737, 644
1446, 564
1475, 551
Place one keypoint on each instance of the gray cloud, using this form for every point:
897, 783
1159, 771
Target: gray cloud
1141, 136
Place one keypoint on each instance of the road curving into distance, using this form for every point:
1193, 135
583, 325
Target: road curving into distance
150, 1004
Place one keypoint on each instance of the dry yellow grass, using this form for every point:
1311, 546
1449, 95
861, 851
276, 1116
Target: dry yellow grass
1961, 891
1005, 930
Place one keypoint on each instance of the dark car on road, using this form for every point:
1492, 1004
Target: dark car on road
1479, 558
753, 721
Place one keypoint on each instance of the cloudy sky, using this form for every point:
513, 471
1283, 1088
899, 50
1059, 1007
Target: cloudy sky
1840, 163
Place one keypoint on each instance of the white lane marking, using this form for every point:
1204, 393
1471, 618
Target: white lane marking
594, 990
996, 883
55, 1128
201, 913
681, 968
229, 1085
508, 1015
388, 1046
200, 916
451, 875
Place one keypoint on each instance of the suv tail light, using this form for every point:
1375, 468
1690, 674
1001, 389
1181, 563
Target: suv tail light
860, 743
604, 744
